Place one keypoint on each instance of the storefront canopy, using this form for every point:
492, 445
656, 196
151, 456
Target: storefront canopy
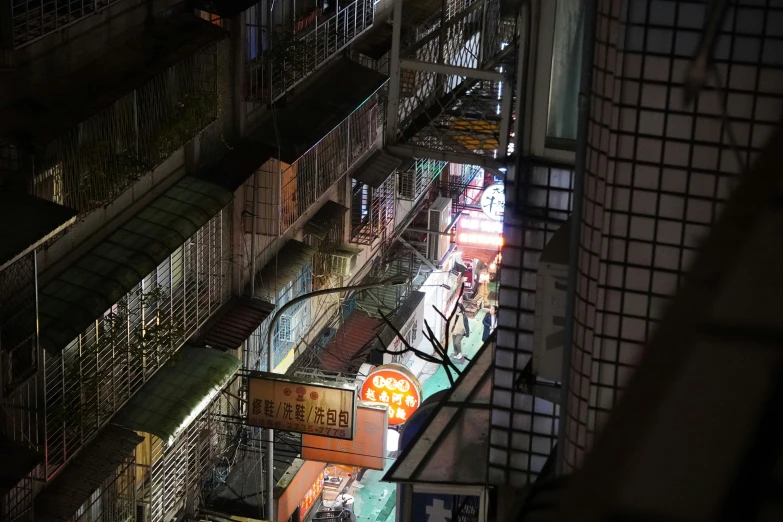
97, 462
452, 448
178, 392
94, 283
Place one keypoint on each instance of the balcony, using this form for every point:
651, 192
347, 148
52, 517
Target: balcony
288, 63
372, 205
82, 140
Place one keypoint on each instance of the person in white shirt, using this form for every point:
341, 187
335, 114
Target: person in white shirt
459, 330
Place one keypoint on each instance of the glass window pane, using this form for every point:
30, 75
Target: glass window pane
566, 71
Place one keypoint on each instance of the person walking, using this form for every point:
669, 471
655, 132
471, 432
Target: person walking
482, 292
490, 322
459, 330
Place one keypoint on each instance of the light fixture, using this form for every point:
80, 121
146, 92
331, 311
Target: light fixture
392, 440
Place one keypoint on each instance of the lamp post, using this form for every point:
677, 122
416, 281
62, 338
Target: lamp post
270, 455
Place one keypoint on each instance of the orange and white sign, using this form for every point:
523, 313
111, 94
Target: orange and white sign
282, 403
396, 387
366, 450
476, 229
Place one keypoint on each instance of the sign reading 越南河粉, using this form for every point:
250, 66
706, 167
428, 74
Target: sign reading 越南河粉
301, 405
396, 387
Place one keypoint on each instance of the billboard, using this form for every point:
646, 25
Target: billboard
395, 386
476, 229
366, 450
301, 405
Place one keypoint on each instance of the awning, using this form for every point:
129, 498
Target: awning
236, 167
18, 461
377, 169
223, 8
356, 332
178, 392
99, 461
235, 322
283, 268
99, 279
48, 113
320, 108
27, 222
328, 216
452, 448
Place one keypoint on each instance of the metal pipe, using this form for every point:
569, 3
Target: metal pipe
270, 463
576, 219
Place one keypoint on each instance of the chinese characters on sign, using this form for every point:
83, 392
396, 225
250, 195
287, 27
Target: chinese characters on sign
303, 407
396, 387
475, 229
310, 497
366, 450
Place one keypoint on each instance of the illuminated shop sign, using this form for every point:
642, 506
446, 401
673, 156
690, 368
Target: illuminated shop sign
396, 387
493, 201
475, 229
311, 496
301, 406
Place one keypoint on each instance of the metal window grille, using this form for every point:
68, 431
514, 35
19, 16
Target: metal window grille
93, 163
18, 336
289, 62
372, 210
32, 19
115, 500
287, 191
412, 183
17, 504
105, 365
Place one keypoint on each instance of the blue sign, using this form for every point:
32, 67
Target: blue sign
429, 507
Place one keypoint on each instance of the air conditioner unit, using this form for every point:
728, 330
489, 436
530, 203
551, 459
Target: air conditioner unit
551, 284
438, 219
344, 260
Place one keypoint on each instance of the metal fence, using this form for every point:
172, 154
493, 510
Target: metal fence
103, 367
33, 19
280, 69
372, 210
115, 500
94, 162
413, 182
18, 317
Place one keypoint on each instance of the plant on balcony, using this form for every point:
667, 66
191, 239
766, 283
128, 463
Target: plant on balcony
190, 116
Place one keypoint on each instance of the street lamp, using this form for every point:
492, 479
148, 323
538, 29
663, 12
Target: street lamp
392, 281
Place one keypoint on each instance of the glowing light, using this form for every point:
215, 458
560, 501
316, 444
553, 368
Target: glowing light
397, 388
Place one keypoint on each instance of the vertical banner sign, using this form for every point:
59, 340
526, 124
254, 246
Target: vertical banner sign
366, 450
310, 497
301, 406
396, 387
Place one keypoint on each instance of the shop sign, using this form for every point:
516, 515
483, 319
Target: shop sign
445, 508
493, 201
301, 406
292, 489
396, 387
476, 229
311, 496
366, 450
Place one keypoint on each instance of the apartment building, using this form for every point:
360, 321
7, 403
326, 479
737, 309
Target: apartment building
170, 174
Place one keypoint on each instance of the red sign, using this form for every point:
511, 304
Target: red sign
310, 497
366, 450
396, 387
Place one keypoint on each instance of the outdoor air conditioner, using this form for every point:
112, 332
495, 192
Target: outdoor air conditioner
438, 219
551, 284
344, 260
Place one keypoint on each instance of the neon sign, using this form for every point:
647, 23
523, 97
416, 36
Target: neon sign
476, 229
396, 387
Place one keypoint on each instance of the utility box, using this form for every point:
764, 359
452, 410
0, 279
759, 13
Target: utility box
551, 285
438, 219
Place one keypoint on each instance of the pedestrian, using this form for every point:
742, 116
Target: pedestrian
460, 330
482, 293
490, 322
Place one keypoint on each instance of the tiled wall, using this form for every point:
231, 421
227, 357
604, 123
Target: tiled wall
658, 173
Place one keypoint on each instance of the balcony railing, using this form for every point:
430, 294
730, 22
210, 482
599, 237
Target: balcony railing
279, 70
24, 21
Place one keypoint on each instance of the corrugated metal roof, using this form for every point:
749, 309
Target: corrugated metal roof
60, 105
319, 108
283, 268
235, 322
179, 391
377, 169
17, 461
329, 215
357, 331
61, 499
99, 279
27, 222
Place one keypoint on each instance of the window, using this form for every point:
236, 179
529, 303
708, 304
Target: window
566, 73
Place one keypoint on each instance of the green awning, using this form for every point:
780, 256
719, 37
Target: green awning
178, 392
282, 269
90, 286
